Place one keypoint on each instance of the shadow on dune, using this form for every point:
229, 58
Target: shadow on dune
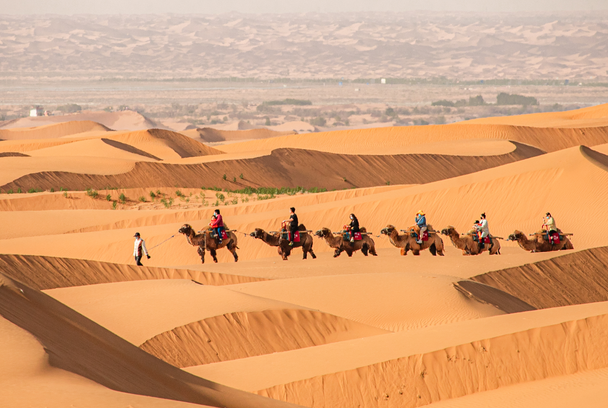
81, 346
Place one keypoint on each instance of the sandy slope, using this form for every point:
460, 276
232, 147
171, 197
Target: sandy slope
76, 344
586, 389
515, 196
211, 135
32, 381
283, 167
53, 131
414, 368
374, 141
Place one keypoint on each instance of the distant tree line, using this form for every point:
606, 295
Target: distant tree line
502, 99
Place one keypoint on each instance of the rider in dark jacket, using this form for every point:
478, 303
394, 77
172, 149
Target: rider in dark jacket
353, 227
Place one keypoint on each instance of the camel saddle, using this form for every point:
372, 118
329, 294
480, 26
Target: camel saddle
487, 240
554, 238
287, 235
425, 235
356, 235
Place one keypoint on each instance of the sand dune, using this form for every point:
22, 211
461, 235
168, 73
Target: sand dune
140, 310
245, 334
124, 120
53, 131
418, 367
50, 273
74, 343
398, 139
568, 279
285, 167
211, 135
586, 389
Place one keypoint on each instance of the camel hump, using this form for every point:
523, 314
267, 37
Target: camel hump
301, 227
363, 230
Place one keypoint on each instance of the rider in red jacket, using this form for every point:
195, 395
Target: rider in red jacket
217, 223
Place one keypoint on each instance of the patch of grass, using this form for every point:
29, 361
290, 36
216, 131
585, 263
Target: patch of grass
52, 190
92, 193
179, 193
109, 197
241, 176
220, 197
62, 189
142, 199
10, 191
388, 183
19, 190
122, 198
167, 202
65, 194
224, 177
114, 205
152, 195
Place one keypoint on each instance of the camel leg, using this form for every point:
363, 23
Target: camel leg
312, 254
349, 252
213, 253
232, 248
416, 252
372, 250
364, 249
337, 252
433, 249
201, 253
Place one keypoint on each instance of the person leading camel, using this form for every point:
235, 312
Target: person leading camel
353, 227
139, 249
292, 223
484, 229
217, 223
420, 226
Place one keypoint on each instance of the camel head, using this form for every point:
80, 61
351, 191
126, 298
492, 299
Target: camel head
448, 230
387, 230
515, 235
324, 233
186, 229
258, 233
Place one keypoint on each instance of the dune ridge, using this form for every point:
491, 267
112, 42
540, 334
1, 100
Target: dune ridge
244, 334
53, 131
286, 167
460, 370
45, 272
77, 344
211, 135
568, 279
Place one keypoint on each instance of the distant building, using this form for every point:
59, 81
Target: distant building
383, 81
37, 111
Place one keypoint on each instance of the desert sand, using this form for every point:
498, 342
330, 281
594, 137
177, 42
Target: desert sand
82, 325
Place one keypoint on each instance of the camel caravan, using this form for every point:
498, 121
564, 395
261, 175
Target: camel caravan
352, 238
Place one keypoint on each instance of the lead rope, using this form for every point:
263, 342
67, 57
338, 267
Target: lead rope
162, 242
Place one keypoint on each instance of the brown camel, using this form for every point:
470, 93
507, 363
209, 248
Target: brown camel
539, 243
283, 247
467, 243
204, 240
366, 245
408, 242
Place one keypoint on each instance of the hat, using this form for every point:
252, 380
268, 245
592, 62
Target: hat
136, 234
420, 212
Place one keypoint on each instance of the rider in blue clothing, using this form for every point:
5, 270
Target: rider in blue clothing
420, 225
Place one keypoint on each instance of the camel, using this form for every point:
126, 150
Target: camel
406, 242
205, 241
468, 245
538, 243
283, 247
366, 245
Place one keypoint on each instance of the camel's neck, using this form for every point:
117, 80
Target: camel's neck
331, 240
190, 237
525, 243
270, 239
455, 237
394, 236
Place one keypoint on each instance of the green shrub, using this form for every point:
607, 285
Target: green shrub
31, 190
179, 193
220, 196
109, 197
92, 193
19, 190
52, 190
152, 195
241, 176
10, 191
122, 198
114, 205
224, 177
65, 194
142, 199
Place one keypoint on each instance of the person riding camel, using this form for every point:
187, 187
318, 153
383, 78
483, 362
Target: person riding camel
473, 230
217, 223
420, 226
549, 226
484, 229
292, 223
353, 227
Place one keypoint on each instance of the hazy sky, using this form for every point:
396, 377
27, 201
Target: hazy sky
285, 6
